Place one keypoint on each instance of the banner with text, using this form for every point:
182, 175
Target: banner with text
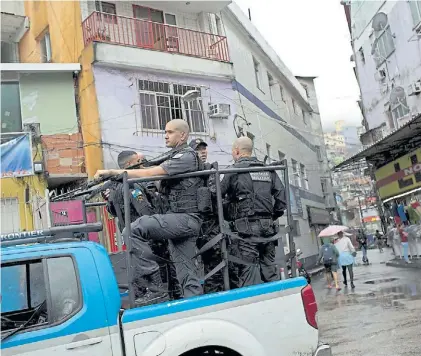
400, 175
16, 156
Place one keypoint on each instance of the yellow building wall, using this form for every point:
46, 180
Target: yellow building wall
89, 113
63, 20
15, 188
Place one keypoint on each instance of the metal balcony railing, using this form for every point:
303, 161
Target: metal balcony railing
132, 32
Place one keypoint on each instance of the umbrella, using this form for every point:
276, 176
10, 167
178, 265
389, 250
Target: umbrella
332, 230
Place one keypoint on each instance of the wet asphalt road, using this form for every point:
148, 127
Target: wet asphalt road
381, 317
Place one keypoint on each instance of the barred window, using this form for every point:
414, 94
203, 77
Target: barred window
161, 102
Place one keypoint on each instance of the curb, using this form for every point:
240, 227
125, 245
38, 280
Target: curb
315, 271
401, 265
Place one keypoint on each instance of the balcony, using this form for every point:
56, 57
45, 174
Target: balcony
154, 36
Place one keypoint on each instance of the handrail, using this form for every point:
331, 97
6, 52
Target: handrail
134, 32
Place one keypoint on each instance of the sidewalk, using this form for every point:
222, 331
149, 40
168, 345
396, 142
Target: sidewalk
398, 262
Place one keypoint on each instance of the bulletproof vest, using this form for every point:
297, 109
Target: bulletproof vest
139, 203
184, 195
251, 193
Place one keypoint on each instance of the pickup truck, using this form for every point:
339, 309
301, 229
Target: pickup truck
61, 298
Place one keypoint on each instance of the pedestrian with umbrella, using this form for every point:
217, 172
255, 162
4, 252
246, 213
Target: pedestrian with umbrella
345, 248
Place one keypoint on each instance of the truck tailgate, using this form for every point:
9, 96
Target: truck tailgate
262, 320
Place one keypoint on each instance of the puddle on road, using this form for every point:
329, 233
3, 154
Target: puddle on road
377, 281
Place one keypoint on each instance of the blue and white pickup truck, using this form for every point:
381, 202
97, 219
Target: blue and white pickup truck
63, 298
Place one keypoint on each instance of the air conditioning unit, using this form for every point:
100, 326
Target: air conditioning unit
221, 111
414, 88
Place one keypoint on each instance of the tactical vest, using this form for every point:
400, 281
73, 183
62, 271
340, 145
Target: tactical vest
184, 195
139, 203
252, 196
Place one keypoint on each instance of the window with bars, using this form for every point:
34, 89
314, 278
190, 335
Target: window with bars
303, 176
161, 102
383, 46
295, 174
399, 109
415, 7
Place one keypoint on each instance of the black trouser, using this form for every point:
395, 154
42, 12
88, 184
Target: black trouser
181, 231
168, 272
350, 271
259, 258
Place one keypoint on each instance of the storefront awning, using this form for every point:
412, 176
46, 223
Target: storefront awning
396, 144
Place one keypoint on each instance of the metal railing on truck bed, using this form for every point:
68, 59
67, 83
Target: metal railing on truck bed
224, 232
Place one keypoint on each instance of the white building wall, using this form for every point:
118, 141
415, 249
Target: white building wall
273, 120
402, 67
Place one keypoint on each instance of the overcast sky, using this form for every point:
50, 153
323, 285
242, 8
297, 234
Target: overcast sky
312, 39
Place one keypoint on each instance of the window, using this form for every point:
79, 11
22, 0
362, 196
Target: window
383, 46
47, 287
324, 183
11, 119
218, 24
304, 117
399, 109
257, 73
415, 11
296, 228
161, 102
295, 173
281, 89
281, 155
361, 52
303, 175
268, 153
271, 87
319, 154
45, 44
294, 106
107, 8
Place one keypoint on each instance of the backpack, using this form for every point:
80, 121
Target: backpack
328, 254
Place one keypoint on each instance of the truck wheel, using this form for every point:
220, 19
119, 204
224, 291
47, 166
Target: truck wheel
211, 351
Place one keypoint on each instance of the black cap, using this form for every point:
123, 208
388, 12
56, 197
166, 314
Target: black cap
196, 143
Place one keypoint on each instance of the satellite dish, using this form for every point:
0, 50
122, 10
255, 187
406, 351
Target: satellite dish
379, 21
397, 95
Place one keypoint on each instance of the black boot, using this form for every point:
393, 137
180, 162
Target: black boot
155, 292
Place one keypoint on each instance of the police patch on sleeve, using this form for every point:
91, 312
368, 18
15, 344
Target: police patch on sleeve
260, 177
178, 155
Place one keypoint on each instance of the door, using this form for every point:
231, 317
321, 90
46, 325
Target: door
171, 33
51, 307
149, 30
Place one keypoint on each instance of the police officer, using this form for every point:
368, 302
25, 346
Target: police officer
255, 201
180, 225
144, 200
210, 228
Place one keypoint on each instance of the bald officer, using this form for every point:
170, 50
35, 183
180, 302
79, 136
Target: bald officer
180, 225
255, 201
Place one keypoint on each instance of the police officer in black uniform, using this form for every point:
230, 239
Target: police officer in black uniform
144, 200
255, 201
210, 229
181, 223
